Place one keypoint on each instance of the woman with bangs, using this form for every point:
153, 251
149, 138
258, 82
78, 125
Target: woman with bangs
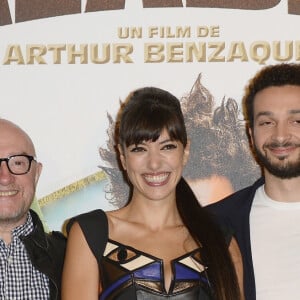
161, 244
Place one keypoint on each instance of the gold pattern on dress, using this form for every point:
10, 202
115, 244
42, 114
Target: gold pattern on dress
152, 285
184, 285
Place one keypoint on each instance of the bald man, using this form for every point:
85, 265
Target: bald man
31, 260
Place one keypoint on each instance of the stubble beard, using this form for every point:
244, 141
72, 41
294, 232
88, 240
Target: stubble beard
283, 169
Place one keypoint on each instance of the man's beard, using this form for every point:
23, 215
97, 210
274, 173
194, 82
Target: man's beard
284, 170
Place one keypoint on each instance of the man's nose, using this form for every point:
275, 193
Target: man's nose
5, 174
281, 132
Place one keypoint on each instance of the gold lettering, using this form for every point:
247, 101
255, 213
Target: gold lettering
260, 51
205, 31
219, 47
130, 32
237, 51
105, 56
174, 52
168, 32
199, 52
153, 53
13, 54
57, 49
35, 53
82, 53
215, 31
121, 52
288, 51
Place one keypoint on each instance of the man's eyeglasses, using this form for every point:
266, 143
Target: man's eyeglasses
18, 164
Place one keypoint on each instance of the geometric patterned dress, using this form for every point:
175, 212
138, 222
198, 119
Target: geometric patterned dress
130, 274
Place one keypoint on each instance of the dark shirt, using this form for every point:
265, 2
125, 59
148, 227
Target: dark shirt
46, 252
235, 210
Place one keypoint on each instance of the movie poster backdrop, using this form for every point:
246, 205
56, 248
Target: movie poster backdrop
66, 65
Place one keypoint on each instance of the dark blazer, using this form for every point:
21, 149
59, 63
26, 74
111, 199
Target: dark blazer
46, 252
235, 210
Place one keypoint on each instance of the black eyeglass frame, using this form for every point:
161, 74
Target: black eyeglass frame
7, 159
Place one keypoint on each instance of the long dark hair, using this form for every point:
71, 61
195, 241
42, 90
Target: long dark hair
144, 115
208, 235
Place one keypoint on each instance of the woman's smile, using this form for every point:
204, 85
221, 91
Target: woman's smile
156, 179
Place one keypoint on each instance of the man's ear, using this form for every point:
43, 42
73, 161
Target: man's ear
186, 152
250, 133
122, 157
38, 171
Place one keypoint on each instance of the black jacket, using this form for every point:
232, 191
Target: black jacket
235, 209
46, 252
